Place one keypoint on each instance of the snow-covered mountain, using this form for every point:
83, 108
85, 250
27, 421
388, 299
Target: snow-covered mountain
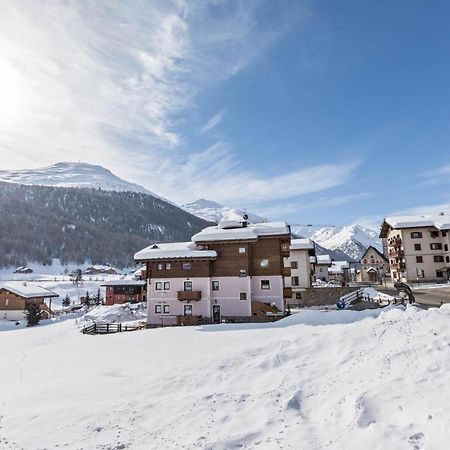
69, 174
214, 212
352, 240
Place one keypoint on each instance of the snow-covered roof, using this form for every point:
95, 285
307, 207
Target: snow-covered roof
250, 232
186, 250
302, 244
323, 259
28, 290
439, 221
338, 266
124, 283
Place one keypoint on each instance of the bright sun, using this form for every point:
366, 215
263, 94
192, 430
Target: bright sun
11, 94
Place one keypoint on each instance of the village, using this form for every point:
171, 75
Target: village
238, 271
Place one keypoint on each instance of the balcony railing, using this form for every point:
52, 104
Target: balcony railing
286, 271
287, 292
189, 295
399, 253
395, 242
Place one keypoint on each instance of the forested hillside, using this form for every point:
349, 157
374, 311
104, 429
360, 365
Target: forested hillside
39, 223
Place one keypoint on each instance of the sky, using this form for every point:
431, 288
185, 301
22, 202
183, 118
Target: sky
308, 111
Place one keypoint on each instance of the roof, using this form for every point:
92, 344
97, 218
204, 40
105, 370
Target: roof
323, 259
302, 244
338, 266
376, 251
27, 290
176, 250
124, 283
439, 221
250, 232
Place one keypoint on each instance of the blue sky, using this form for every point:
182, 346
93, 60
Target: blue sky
312, 112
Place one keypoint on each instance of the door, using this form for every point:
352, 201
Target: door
188, 310
216, 313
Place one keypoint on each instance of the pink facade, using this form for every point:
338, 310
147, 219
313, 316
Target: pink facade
234, 295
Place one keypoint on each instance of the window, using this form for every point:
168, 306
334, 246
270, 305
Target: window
417, 247
419, 259
447, 259
294, 281
446, 247
158, 286
160, 266
157, 309
7, 301
168, 266
436, 246
215, 286
186, 266
298, 295
188, 286
439, 274
294, 265
438, 258
264, 263
241, 249
265, 285
166, 309
242, 273
242, 295
434, 234
167, 285
416, 235
188, 310
444, 233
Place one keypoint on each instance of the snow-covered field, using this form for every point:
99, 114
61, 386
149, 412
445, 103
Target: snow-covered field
376, 379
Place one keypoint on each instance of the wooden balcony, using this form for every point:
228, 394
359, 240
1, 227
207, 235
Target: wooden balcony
398, 253
189, 295
287, 292
286, 271
396, 242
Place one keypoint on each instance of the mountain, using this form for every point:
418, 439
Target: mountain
39, 223
351, 240
214, 212
68, 174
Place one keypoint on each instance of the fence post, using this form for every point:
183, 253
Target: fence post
107, 328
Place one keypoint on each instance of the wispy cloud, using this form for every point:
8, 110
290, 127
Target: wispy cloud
107, 82
212, 122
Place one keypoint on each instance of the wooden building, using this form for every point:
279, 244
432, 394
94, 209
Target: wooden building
15, 297
220, 274
124, 291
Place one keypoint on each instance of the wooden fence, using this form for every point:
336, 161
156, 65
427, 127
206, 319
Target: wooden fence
109, 328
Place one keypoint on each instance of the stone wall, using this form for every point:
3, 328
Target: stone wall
323, 296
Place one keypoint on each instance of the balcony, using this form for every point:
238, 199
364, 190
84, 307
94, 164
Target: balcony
395, 242
399, 266
189, 295
399, 253
287, 292
286, 271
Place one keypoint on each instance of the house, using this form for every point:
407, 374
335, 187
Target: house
373, 266
100, 269
418, 247
340, 272
124, 291
15, 297
299, 268
323, 262
226, 271
23, 269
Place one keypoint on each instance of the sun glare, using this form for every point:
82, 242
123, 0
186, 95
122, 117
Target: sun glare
11, 94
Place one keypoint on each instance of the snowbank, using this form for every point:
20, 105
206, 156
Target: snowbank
336, 380
126, 312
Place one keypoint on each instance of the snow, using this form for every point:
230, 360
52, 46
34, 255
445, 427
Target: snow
323, 259
301, 244
338, 267
352, 240
252, 231
174, 250
27, 290
215, 212
123, 313
123, 283
348, 380
70, 174
439, 221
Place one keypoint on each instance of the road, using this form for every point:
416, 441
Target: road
432, 296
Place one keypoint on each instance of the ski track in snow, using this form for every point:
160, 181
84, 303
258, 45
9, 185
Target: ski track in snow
378, 382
